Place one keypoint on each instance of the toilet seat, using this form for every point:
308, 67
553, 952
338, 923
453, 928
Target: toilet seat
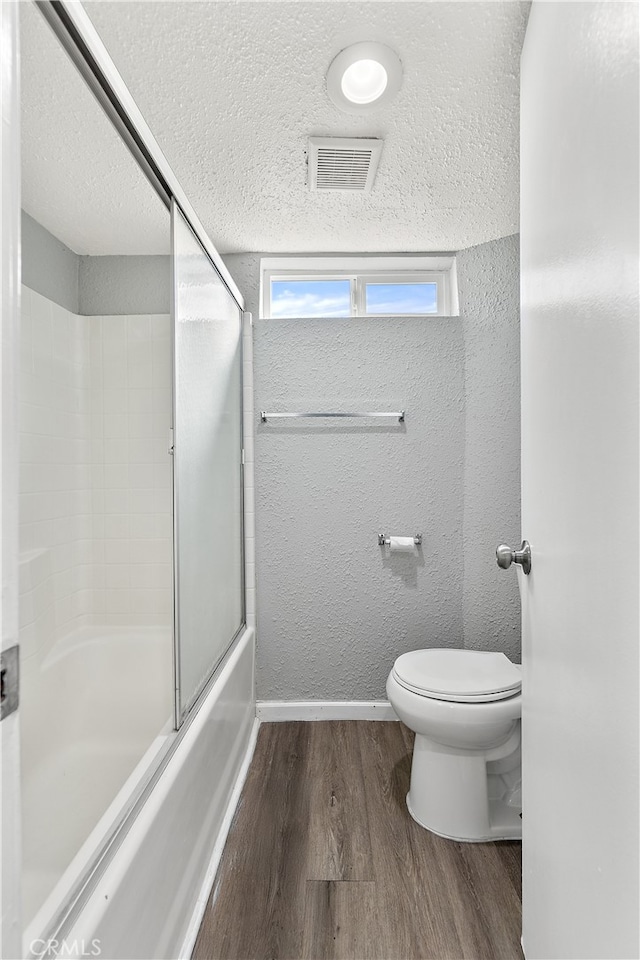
461, 676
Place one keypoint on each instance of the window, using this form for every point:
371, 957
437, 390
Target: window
310, 297
358, 287
394, 297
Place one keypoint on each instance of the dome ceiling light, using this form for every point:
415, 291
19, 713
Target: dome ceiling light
363, 77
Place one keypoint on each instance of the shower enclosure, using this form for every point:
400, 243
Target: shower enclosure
131, 551
209, 567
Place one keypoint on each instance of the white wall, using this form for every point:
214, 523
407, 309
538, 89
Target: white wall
95, 474
132, 507
580, 480
332, 612
55, 473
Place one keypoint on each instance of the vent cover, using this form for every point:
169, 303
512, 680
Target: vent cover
343, 163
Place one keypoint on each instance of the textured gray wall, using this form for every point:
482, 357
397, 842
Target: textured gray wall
93, 286
48, 267
489, 290
334, 609
332, 614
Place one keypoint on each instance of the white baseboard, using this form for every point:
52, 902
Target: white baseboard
274, 711
207, 885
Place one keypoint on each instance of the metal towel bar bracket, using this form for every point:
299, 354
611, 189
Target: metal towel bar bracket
398, 415
384, 541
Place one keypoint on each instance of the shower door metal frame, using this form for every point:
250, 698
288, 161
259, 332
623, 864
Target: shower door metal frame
78, 36
180, 711
75, 31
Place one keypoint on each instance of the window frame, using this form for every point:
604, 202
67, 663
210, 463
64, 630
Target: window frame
361, 271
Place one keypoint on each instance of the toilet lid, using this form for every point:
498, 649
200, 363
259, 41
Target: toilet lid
460, 675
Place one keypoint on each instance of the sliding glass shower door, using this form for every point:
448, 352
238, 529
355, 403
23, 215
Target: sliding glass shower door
207, 465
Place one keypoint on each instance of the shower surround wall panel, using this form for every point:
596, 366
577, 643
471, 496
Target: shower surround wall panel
95, 571
131, 489
334, 608
96, 508
56, 559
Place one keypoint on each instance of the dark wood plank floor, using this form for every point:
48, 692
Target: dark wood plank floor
323, 861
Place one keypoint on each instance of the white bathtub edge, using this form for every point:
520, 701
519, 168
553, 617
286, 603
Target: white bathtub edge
207, 884
145, 900
278, 711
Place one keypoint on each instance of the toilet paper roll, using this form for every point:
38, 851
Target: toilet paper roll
401, 544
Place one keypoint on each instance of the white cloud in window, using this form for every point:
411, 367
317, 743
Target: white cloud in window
309, 299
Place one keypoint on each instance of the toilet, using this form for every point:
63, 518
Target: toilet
465, 709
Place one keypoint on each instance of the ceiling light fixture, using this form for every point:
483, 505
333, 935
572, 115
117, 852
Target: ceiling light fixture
363, 77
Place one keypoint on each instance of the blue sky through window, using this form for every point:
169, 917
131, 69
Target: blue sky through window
332, 298
310, 298
401, 298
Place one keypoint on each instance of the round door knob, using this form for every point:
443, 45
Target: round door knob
505, 556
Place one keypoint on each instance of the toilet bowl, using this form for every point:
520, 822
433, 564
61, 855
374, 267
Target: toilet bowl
465, 709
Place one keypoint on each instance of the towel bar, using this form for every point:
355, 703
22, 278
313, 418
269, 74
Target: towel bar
398, 415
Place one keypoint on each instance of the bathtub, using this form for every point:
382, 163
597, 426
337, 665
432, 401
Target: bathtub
95, 711
147, 898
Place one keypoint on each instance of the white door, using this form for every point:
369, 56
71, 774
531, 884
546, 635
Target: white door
10, 932
579, 222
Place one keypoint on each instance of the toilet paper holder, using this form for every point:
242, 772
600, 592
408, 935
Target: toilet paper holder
384, 541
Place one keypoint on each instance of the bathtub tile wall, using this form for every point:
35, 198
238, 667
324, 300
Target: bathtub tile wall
132, 496
55, 473
95, 485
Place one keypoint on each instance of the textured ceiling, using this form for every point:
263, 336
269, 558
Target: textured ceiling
232, 90
78, 178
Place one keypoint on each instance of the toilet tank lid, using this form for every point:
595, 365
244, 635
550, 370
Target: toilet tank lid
458, 672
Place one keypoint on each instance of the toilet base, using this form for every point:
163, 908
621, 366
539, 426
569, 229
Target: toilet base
506, 825
472, 798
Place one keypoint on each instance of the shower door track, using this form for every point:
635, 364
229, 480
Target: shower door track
78, 36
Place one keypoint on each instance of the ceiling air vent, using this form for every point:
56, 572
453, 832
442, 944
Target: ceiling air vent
343, 163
